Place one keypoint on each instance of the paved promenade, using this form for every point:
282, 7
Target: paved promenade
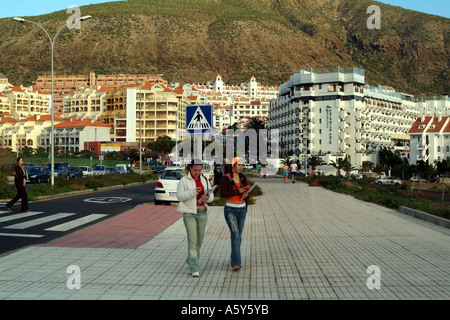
299, 242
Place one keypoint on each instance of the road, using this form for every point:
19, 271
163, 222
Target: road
57, 217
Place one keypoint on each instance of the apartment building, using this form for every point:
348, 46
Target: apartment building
26, 132
249, 89
160, 113
87, 102
430, 139
333, 111
7, 139
70, 136
22, 102
66, 84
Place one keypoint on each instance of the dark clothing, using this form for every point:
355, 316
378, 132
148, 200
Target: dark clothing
228, 188
19, 181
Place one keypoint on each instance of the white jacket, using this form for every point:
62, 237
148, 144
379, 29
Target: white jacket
187, 195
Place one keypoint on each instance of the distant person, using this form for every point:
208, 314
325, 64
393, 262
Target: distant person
234, 189
294, 169
20, 176
217, 177
191, 189
285, 172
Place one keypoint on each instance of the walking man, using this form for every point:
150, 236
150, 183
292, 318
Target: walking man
294, 169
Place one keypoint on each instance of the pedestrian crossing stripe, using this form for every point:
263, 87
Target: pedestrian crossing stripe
35, 222
76, 223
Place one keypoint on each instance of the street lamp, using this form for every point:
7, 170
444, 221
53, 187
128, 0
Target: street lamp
52, 43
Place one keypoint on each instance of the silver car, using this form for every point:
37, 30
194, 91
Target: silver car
389, 181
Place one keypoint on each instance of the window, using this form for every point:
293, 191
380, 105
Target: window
447, 149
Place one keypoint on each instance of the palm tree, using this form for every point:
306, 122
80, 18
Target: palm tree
339, 164
313, 161
257, 125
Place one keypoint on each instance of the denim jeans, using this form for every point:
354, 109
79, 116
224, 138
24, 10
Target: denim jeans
195, 228
235, 218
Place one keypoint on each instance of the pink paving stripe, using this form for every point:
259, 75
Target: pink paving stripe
128, 230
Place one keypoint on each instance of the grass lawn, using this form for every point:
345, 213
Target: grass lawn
429, 201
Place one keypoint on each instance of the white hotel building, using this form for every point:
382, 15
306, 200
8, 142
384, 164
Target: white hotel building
333, 112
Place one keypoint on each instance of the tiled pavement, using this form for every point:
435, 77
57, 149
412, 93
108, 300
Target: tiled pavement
300, 242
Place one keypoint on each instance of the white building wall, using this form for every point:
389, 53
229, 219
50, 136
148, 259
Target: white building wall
131, 114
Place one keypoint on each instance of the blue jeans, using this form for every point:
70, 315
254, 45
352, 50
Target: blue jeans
235, 218
195, 228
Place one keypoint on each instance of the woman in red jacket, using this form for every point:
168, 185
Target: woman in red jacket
233, 188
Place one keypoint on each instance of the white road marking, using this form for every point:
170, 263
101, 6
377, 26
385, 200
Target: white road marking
14, 216
21, 235
75, 223
39, 221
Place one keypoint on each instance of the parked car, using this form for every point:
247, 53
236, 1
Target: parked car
121, 168
356, 176
208, 171
389, 181
417, 179
75, 172
87, 171
166, 186
434, 179
38, 175
57, 168
157, 168
99, 169
64, 172
26, 165
110, 170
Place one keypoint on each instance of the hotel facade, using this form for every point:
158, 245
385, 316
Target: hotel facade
332, 112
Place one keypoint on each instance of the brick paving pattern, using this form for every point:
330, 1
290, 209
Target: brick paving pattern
299, 242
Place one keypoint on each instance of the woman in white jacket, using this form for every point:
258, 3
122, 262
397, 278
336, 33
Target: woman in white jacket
191, 189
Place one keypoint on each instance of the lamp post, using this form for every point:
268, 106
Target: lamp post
52, 43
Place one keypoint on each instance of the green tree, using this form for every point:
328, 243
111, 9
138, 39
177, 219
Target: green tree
443, 167
339, 164
27, 150
425, 169
163, 145
314, 160
347, 166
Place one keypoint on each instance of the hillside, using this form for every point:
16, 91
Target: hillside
193, 40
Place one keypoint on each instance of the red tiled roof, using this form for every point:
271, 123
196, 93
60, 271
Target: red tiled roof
7, 119
44, 117
81, 123
430, 124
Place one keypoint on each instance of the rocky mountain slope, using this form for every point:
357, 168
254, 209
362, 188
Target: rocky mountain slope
193, 40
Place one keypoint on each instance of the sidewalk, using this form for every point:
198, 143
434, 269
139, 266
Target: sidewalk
300, 242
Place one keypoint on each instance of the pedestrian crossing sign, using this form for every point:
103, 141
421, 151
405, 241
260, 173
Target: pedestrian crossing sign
199, 118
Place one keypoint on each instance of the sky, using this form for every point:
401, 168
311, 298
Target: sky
26, 8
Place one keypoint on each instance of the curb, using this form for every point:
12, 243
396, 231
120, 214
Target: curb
425, 216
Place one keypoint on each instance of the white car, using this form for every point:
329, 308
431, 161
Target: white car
390, 180
418, 179
167, 184
87, 171
99, 169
